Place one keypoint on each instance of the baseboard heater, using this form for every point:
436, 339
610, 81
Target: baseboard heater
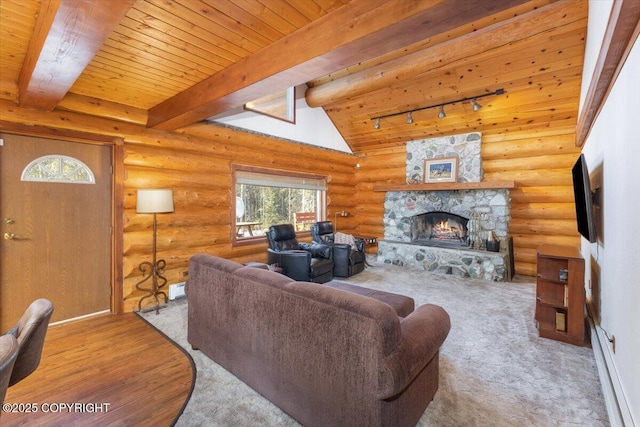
177, 290
616, 403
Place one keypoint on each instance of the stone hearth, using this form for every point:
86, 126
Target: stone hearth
485, 265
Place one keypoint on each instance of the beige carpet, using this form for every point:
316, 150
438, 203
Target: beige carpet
495, 370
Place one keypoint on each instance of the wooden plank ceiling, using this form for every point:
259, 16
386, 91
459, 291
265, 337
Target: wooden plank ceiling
171, 63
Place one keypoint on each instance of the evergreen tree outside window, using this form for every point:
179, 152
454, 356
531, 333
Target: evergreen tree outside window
274, 197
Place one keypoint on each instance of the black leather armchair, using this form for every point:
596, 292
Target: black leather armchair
347, 261
305, 262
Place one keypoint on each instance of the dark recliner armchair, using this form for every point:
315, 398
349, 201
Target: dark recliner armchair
347, 261
304, 262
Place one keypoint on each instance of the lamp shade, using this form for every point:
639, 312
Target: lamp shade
155, 201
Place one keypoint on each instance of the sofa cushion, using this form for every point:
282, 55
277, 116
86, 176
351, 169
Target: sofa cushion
263, 276
214, 262
403, 305
387, 321
317, 250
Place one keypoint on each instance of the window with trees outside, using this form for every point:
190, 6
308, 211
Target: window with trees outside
266, 197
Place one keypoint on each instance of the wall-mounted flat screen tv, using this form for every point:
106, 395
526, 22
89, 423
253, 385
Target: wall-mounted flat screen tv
585, 215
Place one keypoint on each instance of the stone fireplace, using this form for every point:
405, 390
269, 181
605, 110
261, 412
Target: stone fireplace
445, 230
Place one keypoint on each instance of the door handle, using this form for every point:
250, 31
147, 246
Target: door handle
9, 220
9, 236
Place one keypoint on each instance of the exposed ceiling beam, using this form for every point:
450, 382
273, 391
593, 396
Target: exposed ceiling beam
67, 35
442, 55
357, 31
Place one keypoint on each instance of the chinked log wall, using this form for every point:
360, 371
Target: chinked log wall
196, 165
542, 207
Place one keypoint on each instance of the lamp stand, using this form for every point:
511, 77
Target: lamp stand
153, 270
335, 219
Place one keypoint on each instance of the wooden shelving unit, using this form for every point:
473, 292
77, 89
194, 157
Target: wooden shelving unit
439, 186
560, 294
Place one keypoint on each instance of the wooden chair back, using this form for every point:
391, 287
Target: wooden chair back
304, 220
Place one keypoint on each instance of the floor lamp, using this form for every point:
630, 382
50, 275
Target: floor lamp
155, 202
335, 219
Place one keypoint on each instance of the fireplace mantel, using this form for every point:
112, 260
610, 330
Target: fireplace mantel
443, 186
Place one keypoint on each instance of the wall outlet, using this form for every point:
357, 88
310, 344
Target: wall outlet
613, 343
177, 290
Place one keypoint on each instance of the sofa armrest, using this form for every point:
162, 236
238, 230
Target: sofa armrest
341, 259
341, 250
423, 332
295, 263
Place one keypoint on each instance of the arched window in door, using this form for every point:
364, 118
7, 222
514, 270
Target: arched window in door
58, 168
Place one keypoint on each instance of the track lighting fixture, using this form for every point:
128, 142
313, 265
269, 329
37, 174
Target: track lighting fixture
441, 114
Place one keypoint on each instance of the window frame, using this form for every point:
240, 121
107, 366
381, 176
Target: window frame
61, 177
322, 208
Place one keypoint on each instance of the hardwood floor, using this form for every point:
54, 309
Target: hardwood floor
114, 370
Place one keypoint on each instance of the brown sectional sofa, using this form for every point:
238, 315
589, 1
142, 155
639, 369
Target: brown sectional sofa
326, 356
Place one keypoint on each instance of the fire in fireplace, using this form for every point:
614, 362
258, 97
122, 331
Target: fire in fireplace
439, 228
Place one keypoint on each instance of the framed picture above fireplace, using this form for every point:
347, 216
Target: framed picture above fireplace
441, 169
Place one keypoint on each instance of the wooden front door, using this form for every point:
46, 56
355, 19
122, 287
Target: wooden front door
55, 237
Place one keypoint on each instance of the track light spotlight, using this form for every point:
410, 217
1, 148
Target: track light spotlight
409, 118
441, 114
